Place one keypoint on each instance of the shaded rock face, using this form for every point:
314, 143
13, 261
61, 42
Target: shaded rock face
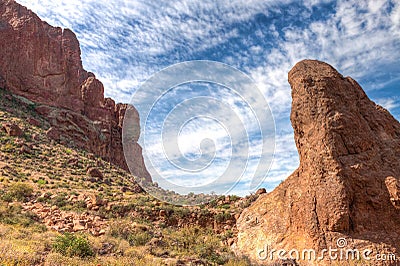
43, 64
347, 184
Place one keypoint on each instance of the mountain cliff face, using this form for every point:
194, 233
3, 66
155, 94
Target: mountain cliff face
347, 185
43, 64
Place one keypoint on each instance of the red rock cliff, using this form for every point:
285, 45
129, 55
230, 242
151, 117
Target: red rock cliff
43, 64
347, 185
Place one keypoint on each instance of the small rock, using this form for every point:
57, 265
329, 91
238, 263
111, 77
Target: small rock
12, 130
53, 133
3, 165
33, 122
227, 227
162, 213
36, 137
78, 226
73, 161
94, 172
261, 191
106, 248
25, 149
136, 189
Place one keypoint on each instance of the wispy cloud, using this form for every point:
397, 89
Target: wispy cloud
125, 42
389, 103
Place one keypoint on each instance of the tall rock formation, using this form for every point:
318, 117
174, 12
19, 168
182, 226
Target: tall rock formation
345, 193
43, 64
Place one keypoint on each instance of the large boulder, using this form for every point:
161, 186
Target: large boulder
345, 193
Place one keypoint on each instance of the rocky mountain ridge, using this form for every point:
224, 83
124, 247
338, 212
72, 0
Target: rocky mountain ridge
42, 64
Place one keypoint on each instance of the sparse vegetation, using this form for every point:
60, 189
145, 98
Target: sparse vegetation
73, 245
17, 191
141, 230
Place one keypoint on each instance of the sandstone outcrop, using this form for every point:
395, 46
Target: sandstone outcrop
345, 193
43, 64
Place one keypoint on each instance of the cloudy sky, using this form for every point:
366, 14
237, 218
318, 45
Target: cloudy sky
126, 42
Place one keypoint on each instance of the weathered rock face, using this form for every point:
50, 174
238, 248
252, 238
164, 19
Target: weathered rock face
347, 184
39, 61
43, 64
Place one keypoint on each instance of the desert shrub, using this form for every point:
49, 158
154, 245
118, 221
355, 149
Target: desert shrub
196, 241
8, 147
238, 262
13, 215
11, 256
139, 238
117, 211
80, 205
222, 217
73, 246
41, 182
17, 191
60, 200
139, 235
234, 197
225, 206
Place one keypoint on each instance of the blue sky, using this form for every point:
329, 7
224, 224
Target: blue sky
125, 42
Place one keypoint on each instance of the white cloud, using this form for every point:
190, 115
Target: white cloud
388, 103
125, 42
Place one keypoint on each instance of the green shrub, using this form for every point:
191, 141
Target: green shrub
196, 241
18, 191
225, 206
14, 215
139, 238
41, 182
73, 246
222, 217
60, 200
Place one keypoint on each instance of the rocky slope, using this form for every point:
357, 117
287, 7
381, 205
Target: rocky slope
43, 64
347, 185
48, 189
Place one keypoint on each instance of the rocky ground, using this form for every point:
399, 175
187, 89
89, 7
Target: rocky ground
48, 190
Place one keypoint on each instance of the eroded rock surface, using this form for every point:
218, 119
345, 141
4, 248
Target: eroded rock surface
347, 183
43, 64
